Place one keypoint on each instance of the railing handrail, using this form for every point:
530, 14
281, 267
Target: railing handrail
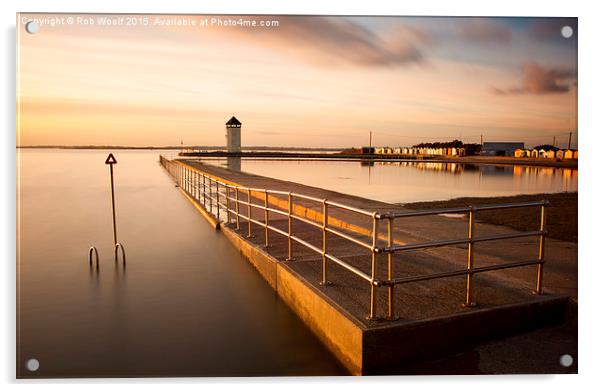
182, 175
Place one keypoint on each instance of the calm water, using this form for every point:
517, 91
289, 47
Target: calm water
187, 304
405, 182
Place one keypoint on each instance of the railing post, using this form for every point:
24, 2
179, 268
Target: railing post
237, 210
186, 188
391, 288
210, 180
470, 262
217, 198
266, 217
542, 238
204, 192
228, 203
197, 188
290, 227
324, 281
372, 315
250, 233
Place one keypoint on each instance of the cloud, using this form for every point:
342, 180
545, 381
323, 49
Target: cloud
485, 31
326, 40
540, 80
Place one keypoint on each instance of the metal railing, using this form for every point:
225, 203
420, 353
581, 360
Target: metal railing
93, 252
207, 191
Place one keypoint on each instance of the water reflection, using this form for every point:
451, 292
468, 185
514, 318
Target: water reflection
233, 163
400, 182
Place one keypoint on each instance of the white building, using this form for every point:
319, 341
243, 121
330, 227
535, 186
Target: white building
233, 135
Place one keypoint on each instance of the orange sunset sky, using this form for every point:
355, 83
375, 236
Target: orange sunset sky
309, 81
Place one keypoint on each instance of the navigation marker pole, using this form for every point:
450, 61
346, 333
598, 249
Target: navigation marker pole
112, 161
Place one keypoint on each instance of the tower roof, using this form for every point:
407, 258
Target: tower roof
233, 121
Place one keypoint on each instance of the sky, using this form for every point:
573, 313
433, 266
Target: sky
308, 81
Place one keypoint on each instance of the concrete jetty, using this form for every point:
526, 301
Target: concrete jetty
428, 317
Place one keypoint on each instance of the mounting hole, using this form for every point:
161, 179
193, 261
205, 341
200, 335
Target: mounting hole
566, 31
32, 27
566, 360
32, 364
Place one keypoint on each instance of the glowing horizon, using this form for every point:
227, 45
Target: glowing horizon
309, 82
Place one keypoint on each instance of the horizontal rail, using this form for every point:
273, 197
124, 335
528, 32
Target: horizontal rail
435, 211
280, 212
450, 274
487, 207
349, 267
308, 221
506, 266
349, 208
460, 241
422, 245
452, 210
306, 244
348, 237
300, 196
509, 236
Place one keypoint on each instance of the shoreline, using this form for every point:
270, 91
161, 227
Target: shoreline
333, 154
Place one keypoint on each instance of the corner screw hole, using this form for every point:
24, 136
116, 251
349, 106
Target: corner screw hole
566, 360
32, 364
566, 31
32, 27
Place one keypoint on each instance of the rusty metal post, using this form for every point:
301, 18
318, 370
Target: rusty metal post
266, 217
373, 310
324, 281
391, 288
470, 262
290, 227
542, 239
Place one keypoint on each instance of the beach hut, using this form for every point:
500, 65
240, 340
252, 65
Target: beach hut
519, 153
575, 154
560, 154
534, 154
550, 154
398, 150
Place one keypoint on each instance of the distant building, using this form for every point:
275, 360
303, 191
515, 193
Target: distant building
519, 153
233, 135
570, 154
501, 148
368, 150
